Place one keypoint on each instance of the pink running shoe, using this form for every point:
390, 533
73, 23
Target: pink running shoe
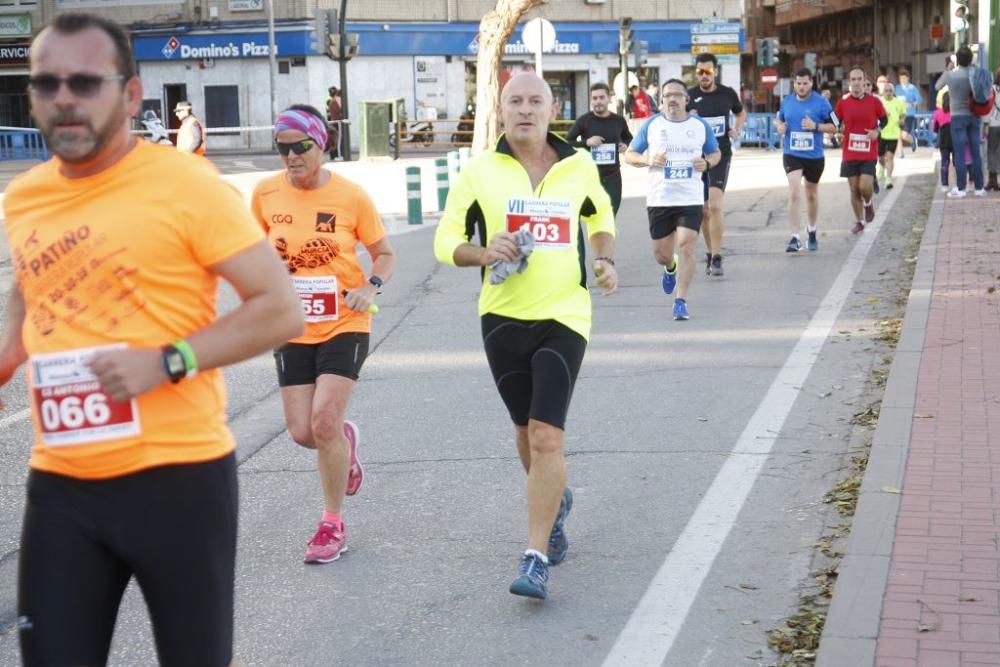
327, 544
356, 475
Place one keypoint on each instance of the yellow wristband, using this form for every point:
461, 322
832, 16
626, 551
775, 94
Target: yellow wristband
190, 360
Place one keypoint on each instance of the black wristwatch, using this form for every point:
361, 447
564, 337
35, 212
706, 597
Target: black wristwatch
173, 364
376, 281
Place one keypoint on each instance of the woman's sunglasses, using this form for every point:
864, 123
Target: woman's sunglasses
297, 147
81, 85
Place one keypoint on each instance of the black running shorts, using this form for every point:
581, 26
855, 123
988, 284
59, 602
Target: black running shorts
534, 365
887, 146
173, 528
812, 169
664, 220
718, 176
302, 363
850, 168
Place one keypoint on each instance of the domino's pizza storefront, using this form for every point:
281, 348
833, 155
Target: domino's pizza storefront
224, 73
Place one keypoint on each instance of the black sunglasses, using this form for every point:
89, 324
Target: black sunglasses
81, 85
298, 147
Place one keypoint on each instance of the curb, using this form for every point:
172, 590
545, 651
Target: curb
850, 634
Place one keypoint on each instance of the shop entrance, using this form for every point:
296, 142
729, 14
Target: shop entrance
563, 86
172, 94
15, 110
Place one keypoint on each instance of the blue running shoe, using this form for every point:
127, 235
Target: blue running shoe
794, 245
670, 278
533, 581
681, 310
813, 243
558, 542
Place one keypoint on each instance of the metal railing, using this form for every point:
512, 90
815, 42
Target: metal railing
22, 143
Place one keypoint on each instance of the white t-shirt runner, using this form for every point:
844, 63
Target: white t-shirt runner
677, 184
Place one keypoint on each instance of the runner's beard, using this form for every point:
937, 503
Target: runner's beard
76, 146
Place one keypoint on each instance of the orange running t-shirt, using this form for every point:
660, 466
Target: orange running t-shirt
119, 258
316, 233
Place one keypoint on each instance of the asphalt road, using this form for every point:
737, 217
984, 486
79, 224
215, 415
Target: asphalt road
699, 453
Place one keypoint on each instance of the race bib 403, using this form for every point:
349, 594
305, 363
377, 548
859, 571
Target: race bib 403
548, 220
72, 408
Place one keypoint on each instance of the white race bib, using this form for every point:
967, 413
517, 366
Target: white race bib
801, 141
72, 408
319, 297
547, 219
860, 143
604, 154
718, 124
677, 170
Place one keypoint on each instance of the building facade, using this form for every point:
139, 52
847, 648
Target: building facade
214, 53
881, 36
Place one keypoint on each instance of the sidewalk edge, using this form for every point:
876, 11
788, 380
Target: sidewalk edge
851, 630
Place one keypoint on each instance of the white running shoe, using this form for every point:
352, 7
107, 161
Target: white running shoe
955, 193
980, 193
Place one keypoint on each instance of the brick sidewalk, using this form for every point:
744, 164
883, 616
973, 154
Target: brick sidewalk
941, 605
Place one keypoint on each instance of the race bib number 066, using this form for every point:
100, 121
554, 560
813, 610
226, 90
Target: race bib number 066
548, 220
72, 408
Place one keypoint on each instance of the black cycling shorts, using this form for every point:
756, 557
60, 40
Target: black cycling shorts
173, 528
812, 169
302, 363
718, 176
612, 182
534, 365
887, 146
664, 220
850, 168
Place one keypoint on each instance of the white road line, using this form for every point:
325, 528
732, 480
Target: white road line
657, 621
14, 418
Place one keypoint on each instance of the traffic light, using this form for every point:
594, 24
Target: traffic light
762, 52
641, 48
773, 47
333, 45
961, 15
351, 45
625, 34
320, 29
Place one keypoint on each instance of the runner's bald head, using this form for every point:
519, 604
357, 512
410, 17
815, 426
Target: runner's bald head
527, 84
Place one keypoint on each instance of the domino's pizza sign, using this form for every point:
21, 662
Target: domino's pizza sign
170, 47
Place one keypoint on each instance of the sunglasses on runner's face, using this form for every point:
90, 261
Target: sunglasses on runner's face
705, 71
81, 85
297, 147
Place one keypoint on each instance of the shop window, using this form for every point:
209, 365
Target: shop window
222, 107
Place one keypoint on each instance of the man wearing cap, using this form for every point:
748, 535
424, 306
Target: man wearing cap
191, 135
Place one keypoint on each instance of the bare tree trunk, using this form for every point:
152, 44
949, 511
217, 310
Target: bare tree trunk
495, 29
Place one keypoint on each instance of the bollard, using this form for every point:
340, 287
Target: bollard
414, 215
464, 155
441, 170
452, 166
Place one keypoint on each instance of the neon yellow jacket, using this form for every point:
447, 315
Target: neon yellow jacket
554, 286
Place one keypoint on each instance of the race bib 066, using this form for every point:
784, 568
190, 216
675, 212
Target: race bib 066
72, 408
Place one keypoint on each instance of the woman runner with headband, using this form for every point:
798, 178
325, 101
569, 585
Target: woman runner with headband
315, 219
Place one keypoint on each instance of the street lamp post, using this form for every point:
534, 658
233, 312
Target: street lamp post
272, 58
345, 127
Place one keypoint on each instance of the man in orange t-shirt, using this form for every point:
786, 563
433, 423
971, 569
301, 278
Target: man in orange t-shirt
117, 247
315, 219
